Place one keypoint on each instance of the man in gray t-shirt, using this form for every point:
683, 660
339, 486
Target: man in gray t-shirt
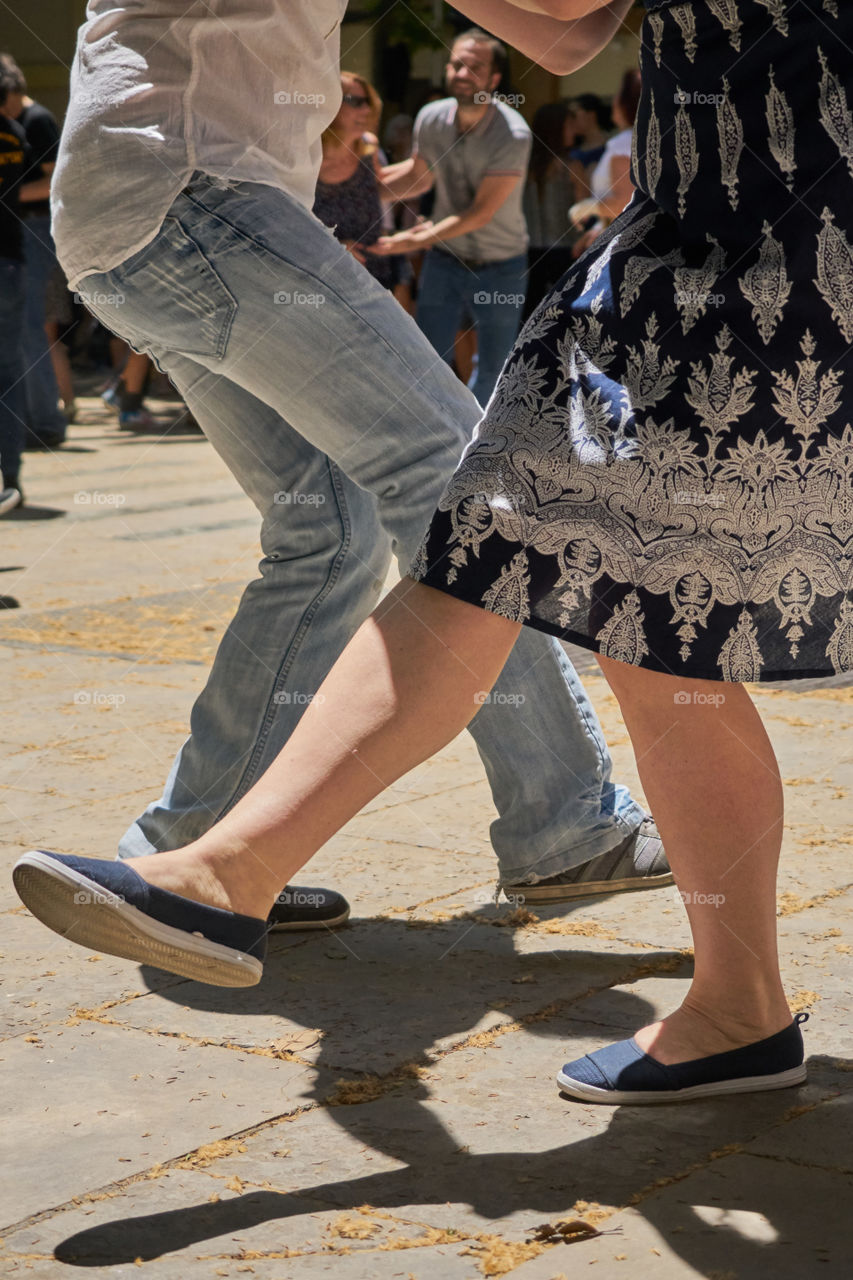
474, 150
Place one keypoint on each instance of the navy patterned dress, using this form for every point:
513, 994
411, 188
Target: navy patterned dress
353, 210
664, 473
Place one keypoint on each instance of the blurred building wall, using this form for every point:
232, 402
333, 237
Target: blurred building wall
42, 33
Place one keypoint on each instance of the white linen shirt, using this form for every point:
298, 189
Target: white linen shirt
161, 88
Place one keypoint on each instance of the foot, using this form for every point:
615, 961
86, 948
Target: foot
10, 497
637, 862
45, 441
181, 872
298, 908
626, 1073
107, 906
110, 394
135, 420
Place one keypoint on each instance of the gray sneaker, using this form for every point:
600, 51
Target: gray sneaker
639, 862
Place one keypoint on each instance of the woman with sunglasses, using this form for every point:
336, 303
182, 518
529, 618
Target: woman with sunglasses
349, 185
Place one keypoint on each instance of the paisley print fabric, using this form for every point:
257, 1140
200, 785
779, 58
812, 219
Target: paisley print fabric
665, 471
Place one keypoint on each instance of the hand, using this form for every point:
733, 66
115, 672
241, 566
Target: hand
582, 211
582, 244
404, 241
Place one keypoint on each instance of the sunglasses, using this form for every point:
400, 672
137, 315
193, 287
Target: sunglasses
355, 100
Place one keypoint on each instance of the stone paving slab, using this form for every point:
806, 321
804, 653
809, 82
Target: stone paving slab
380, 996
741, 1217
44, 979
445, 1016
90, 1104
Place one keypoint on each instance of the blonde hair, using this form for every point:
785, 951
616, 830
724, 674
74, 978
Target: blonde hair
362, 147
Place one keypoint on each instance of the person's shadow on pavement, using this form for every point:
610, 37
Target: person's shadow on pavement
403, 991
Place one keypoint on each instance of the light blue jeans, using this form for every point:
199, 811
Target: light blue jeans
342, 425
493, 295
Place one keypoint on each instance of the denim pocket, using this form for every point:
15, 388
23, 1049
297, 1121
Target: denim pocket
186, 306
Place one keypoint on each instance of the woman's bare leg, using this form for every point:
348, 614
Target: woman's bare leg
712, 781
404, 687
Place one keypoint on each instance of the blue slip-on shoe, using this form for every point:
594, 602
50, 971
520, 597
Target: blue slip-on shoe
297, 908
108, 907
623, 1073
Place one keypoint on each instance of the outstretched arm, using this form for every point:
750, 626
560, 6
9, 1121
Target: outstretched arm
561, 35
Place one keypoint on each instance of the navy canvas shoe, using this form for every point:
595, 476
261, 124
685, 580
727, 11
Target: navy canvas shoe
622, 1073
297, 908
108, 907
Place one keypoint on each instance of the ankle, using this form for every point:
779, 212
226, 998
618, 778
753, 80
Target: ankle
250, 888
744, 1022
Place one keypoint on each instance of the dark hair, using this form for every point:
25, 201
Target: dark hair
592, 102
12, 76
548, 129
628, 97
498, 51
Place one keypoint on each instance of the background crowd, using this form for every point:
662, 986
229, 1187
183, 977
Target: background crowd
465, 211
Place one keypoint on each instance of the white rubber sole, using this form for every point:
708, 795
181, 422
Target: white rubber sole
9, 503
746, 1084
334, 922
84, 912
545, 894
